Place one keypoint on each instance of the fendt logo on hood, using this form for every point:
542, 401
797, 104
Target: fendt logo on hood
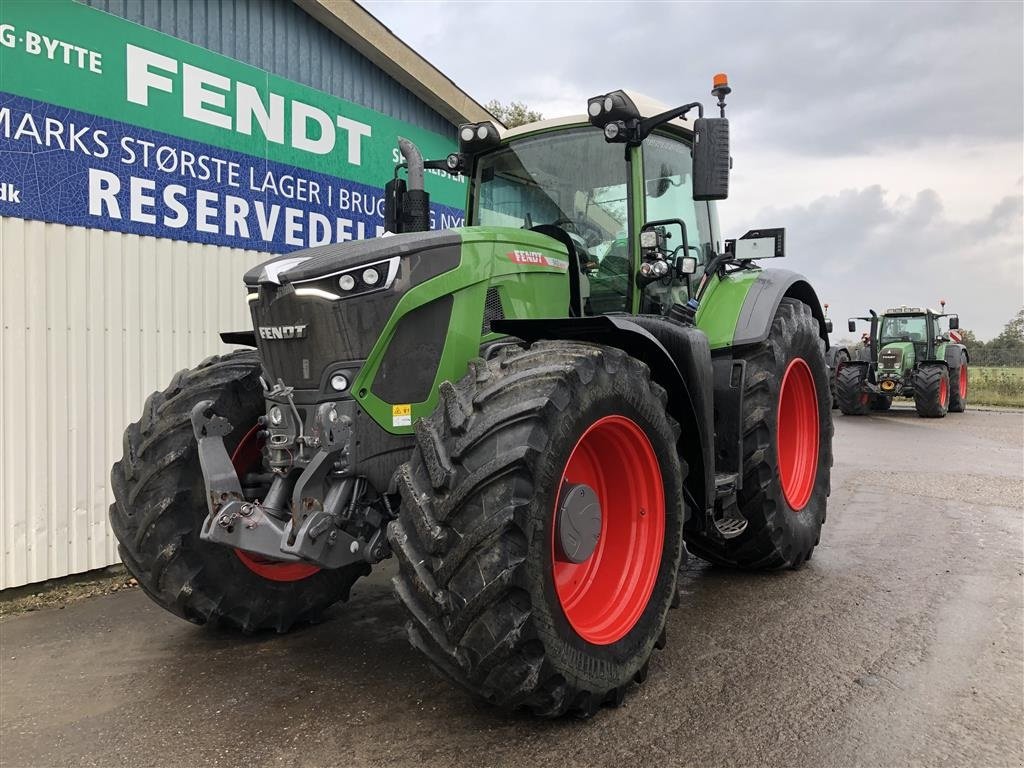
274, 332
890, 357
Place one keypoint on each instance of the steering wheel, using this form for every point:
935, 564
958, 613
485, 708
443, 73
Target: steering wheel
566, 223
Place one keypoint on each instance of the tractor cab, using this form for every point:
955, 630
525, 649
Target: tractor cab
566, 180
911, 329
632, 204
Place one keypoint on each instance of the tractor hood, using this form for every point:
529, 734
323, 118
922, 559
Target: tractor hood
897, 356
300, 267
323, 311
319, 311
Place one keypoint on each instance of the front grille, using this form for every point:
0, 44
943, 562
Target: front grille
890, 358
333, 332
492, 310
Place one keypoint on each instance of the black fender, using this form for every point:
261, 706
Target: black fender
834, 355
686, 376
763, 299
865, 364
242, 338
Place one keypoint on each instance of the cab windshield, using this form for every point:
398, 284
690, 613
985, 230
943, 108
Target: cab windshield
575, 180
903, 328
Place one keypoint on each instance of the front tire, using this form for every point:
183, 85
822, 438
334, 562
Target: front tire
787, 446
160, 505
852, 395
931, 391
494, 601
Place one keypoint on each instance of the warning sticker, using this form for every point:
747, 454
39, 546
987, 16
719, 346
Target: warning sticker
401, 415
538, 259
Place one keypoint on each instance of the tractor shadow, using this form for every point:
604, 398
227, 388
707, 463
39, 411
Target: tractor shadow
904, 412
899, 412
357, 664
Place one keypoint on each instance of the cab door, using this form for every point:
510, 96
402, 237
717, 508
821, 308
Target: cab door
668, 194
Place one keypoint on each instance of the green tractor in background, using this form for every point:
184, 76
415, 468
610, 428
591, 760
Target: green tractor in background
530, 413
905, 354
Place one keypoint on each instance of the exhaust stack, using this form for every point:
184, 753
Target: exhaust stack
406, 203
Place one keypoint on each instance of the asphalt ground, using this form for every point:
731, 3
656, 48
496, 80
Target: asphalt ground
901, 643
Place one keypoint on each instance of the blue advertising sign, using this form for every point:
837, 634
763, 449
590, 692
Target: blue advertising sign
69, 167
111, 125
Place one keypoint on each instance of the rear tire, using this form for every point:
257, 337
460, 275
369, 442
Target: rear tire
852, 395
958, 384
786, 479
931, 391
160, 504
479, 574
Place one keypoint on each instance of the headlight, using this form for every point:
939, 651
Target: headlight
353, 281
478, 137
339, 383
276, 416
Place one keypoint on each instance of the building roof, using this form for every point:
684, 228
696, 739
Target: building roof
366, 34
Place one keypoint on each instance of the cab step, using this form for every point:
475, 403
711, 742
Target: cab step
725, 517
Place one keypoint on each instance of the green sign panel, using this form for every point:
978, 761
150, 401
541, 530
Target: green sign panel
177, 124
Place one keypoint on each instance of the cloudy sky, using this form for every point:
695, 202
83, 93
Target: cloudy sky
886, 138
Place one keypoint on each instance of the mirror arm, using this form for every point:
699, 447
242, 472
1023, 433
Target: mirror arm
648, 125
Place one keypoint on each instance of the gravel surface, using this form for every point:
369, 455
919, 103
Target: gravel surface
60, 593
901, 643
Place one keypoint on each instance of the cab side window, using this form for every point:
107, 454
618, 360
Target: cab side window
668, 192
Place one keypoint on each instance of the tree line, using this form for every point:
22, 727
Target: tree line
1005, 349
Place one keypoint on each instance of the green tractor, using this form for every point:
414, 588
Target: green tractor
905, 354
531, 414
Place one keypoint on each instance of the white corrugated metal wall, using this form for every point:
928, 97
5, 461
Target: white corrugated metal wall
93, 321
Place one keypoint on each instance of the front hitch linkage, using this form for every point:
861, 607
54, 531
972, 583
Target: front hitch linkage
311, 532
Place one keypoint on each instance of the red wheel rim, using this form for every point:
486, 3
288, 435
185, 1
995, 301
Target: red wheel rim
797, 434
963, 382
245, 457
943, 391
604, 596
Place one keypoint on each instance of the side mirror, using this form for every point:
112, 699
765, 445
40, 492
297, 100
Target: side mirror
851, 326
954, 322
686, 265
711, 160
828, 325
